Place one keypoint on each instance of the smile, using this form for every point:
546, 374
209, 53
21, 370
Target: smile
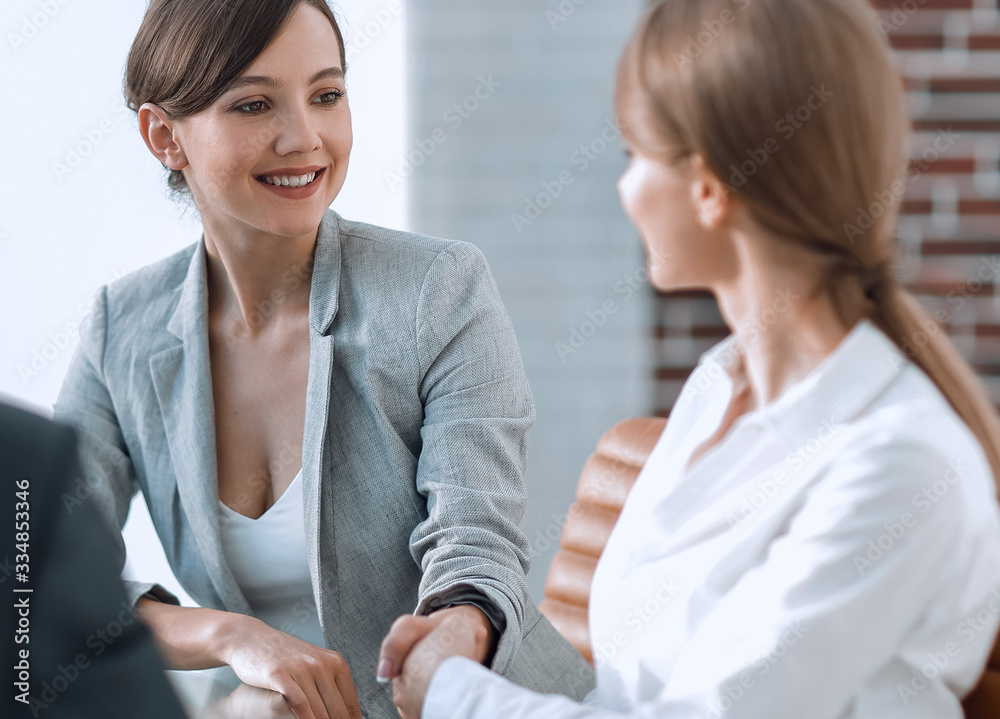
291, 181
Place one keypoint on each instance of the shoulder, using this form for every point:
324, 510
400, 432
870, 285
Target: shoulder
128, 317
909, 444
912, 410
403, 253
149, 289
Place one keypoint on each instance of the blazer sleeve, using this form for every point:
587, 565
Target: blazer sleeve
106, 475
478, 409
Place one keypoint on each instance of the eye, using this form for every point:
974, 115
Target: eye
331, 97
254, 107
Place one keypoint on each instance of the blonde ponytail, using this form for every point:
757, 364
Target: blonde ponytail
924, 342
812, 82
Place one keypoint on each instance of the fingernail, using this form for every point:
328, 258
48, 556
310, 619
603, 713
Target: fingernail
384, 670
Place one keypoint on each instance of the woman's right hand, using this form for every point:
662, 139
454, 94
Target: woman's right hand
316, 682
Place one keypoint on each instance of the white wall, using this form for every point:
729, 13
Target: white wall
82, 201
528, 174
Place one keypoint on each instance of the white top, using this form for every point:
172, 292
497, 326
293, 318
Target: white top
268, 557
835, 556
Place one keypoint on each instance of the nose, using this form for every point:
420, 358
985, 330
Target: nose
622, 187
298, 131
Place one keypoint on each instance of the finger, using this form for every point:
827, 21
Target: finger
345, 685
298, 700
404, 633
317, 702
333, 702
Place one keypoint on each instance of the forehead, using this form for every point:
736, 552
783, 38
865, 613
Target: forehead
306, 41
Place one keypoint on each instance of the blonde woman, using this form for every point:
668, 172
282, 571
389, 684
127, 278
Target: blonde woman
818, 521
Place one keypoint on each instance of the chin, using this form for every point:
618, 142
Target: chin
660, 279
302, 223
665, 281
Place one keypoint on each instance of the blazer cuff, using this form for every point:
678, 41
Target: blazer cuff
134, 591
498, 609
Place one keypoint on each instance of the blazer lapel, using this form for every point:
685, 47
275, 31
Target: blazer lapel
318, 502
183, 382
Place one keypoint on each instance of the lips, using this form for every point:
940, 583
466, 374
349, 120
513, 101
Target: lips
293, 190
291, 177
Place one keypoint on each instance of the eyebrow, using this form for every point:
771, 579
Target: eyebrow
330, 72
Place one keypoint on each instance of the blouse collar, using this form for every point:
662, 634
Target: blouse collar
837, 390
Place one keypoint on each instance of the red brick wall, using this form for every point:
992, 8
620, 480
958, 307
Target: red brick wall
949, 231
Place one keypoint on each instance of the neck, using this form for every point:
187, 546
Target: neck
256, 280
784, 322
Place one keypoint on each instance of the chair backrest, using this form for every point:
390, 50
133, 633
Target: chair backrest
606, 480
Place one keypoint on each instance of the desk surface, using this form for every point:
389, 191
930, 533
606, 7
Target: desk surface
219, 694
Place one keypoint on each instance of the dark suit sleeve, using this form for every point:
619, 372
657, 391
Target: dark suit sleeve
89, 655
478, 409
106, 477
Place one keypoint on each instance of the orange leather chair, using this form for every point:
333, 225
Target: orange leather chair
607, 478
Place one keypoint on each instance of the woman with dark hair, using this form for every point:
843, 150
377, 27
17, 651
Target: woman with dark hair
816, 533
327, 419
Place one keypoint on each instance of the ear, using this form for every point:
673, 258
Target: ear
710, 196
158, 133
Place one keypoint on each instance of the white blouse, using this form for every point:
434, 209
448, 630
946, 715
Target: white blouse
268, 557
835, 556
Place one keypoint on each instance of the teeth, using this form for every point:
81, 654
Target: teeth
283, 181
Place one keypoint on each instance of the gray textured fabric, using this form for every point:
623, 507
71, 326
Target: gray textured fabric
414, 448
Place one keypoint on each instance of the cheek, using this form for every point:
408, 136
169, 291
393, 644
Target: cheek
225, 154
240, 150
342, 135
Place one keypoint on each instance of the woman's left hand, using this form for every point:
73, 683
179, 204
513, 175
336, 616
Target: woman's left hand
415, 647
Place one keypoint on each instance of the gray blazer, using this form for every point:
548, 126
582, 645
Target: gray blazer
416, 418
